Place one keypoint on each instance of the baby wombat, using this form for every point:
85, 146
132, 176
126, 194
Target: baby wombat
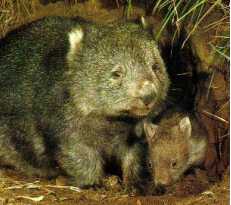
176, 144
54, 74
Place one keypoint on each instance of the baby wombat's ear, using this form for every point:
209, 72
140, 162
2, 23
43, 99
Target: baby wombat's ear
185, 127
150, 130
144, 22
75, 36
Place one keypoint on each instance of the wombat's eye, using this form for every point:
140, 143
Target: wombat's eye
117, 72
174, 164
155, 67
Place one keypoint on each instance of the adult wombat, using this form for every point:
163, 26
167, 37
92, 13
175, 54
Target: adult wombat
54, 74
176, 144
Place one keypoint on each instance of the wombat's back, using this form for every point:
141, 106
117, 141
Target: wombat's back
32, 63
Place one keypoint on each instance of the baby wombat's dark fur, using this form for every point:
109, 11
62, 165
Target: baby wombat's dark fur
176, 144
56, 72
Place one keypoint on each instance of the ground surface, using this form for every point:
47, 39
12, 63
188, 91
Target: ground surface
15, 189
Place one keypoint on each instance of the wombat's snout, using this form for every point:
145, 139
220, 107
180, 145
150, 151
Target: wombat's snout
147, 92
160, 189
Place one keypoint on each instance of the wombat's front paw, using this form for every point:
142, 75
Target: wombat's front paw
112, 183
83, 165
134, 169
84, 183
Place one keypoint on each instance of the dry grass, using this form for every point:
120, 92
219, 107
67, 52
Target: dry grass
13, 12
16, 190
181, 14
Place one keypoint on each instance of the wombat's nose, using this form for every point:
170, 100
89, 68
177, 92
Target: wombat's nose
147, 99
160, 189
148, 92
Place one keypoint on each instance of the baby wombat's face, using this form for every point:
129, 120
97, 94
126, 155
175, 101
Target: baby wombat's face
173, 150
119, 71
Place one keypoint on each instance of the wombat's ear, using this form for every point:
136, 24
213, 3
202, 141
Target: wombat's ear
144, 22
150, 130
75, 38
185, 126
